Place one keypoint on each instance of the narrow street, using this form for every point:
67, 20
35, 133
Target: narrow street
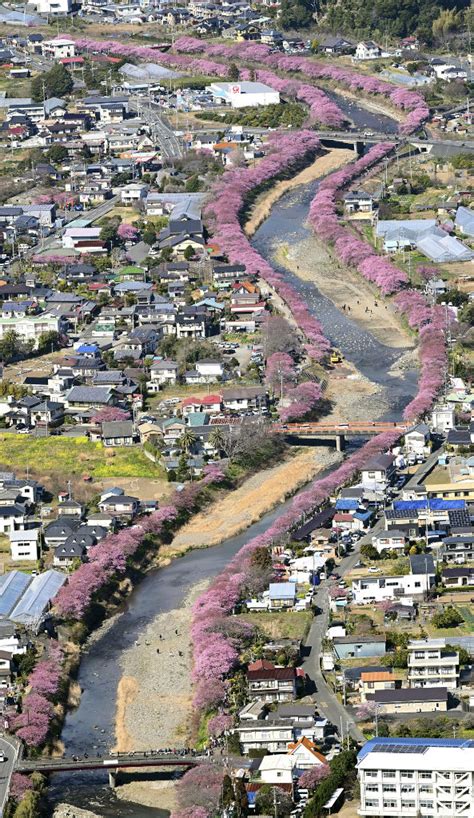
327, 701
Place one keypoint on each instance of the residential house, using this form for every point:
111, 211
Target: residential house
367, 50
272, 683
244, 398
281, 595
431, 663
442, 419
118, 433
378, 472
305, 755
12, 518
371, 682
358, 201
24, 545
457, 577
348, 647
390, 540
273, 736
122, 506
407, 700
162, 373
417, 440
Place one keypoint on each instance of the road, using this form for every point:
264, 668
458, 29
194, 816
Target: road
152, 113
10, 749
327, 702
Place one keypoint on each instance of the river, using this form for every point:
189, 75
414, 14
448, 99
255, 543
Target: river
91, 726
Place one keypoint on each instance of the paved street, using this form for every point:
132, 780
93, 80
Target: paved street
152, 113
6, 769
328, 703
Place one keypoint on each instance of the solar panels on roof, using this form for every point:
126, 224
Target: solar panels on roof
12, 587
400, 748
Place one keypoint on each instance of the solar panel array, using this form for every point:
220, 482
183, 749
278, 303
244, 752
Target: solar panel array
399, 748
459, 518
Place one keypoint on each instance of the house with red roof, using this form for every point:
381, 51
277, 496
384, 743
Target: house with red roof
305, 754
272, 684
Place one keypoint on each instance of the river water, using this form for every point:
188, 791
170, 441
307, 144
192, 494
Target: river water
91, 726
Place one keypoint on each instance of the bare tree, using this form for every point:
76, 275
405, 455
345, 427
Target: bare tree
279, 336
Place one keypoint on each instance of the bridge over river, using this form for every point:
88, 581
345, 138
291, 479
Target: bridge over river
112, 762
340, 431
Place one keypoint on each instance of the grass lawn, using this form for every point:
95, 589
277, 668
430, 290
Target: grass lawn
73, 457
281, 625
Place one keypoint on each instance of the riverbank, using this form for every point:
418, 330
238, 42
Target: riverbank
329, 162
311, 260
154, 696
258, 495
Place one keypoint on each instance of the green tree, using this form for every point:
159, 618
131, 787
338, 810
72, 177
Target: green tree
57, 153
108, 234
188, 253
216, 439
369, 552
182, 472
233, 72
54, 83
295, 15
193, 184
28, 806
227, 791
261, 558
465, 657
449, 618
48, 341
10, 346
241, 799
187, 440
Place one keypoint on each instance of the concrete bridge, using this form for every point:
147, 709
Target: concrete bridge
111, 762
340, 431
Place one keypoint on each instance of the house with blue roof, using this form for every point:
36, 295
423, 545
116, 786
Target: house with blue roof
416, 776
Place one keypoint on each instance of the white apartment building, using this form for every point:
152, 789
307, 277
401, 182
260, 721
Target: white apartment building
30, 327
58, 49
377, 589
408, 778
430, 664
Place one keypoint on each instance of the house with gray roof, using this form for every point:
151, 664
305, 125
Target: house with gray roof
118, 433
464, 221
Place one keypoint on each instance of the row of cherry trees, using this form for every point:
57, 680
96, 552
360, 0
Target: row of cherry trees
108, 559
218, 637
429, 321
322, 109
408, 101
216, 642
224, 211
33, 723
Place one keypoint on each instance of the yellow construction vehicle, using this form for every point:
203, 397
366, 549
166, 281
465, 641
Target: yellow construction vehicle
336, 357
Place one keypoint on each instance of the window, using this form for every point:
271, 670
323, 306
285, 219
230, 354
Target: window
372, 788
425, 776
389, 804
371, 803
371, 773
426, 804
407, 774
408, 804
388, 774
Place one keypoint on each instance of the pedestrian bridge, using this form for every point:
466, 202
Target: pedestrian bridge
340, 431
112, 762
